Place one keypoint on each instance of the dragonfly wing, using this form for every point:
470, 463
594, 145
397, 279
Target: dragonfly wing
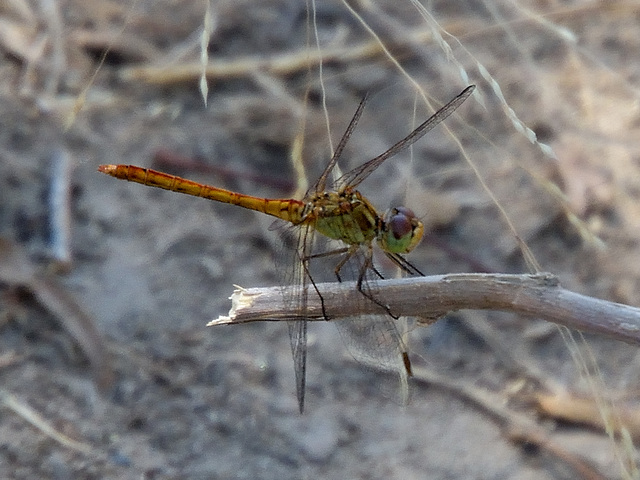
298, 338
357, 175
375, 343
292, 270
321, 184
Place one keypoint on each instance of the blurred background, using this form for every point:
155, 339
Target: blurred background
107, 368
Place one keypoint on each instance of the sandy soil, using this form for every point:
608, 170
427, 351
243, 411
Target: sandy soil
137, 380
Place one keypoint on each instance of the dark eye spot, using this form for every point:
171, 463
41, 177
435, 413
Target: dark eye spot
400, 226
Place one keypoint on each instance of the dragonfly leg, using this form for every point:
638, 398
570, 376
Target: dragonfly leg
407, 363
368, 265
338, 251
305, 265
327, 254
375, 270
403, 264
350, 252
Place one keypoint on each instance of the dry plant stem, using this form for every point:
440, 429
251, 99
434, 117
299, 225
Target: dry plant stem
60, 206
431, 297
518, 427
283, 64
16, 269
566, 406
37, 420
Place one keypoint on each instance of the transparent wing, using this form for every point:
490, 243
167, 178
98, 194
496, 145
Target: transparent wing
291, 269
375, 341
298, 339
293, 262
357, 175
321, 184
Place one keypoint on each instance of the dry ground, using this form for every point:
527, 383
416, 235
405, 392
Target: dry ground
150, 268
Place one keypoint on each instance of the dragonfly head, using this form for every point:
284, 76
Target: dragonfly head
401, 231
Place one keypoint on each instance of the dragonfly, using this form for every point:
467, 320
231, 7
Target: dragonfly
340, 213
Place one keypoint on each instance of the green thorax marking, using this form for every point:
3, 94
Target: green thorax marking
345, 215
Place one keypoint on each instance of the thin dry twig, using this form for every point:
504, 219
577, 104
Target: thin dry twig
60, 206
518, 427
22, 409
284, 64
57, 57
126, 45
16, 269
569, 407
432, 297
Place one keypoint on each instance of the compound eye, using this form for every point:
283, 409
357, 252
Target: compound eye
399, 225
407, 212
402, 231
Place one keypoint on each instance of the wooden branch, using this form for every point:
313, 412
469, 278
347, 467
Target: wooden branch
284, 64
432, 297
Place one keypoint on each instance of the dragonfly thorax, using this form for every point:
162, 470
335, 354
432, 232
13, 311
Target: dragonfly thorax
344, 215
401, 231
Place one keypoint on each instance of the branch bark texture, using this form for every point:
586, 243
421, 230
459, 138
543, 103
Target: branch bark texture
431, 297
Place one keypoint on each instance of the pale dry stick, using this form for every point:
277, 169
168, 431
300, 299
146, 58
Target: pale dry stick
60, 206
56, 35
336, 170
22, 409
608, 410
16, 269
284, 64
518, 427
207, 30
431, 297
125, 45
18, 41
18, 9
566, 406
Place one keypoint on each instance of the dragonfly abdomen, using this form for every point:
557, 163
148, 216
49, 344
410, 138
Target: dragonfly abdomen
289, 210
